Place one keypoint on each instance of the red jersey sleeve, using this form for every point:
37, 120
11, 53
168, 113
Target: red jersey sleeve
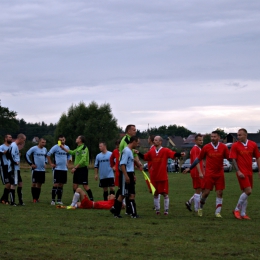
256, 152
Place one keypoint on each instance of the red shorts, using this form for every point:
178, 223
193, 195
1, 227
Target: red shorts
104, 204
117, 178
161, 187
245, 182
198, 183
86, 203
217, 181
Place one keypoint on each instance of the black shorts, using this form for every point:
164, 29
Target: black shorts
5, 175
107, 182
126, 188
15, 177
80, 176
59, 176
38, 177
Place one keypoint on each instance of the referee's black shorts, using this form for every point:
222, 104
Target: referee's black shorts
5, 175
81, 176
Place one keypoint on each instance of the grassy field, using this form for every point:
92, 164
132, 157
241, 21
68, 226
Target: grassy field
40, 231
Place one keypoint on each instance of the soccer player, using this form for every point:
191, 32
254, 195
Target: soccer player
60, 168
114, 163
36, 157
242, 153
5, 167
214, 153
130, 131
194, 173
105, 172
85, 203
80, 169
16, 179
127, 179
159, 176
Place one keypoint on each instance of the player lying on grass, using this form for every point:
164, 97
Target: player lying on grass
85, 203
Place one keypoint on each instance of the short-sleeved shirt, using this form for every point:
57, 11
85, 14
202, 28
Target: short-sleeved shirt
194, 153
123, 144
214, 158
81, 155
127, 159
60, 157
149, 163
102, 163
159, 160
15, 156
4, 148
37, 156
243, 153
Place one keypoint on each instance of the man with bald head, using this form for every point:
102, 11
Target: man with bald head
16, 179
159, 176
242, 153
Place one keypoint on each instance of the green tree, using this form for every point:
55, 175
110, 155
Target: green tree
8, 121
206, 139
222, 133
96, 123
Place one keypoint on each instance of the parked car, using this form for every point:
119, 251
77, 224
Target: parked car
227, 166
185, 165
170, 166
254, 165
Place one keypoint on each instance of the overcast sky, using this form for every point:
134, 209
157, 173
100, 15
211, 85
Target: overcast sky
193, 63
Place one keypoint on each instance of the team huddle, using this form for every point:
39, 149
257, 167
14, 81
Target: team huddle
117, 169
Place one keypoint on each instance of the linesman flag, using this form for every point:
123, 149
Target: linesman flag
149, 184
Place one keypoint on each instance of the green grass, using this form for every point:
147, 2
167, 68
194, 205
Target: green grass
40, 231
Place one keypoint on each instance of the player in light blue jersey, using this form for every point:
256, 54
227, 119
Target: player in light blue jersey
5, 167
16, 179
60, 167
127, 179
36, 156
104, 170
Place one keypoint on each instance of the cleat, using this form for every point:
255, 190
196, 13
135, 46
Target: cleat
237, 214
200, 212
61, 207
68, 207
188, 205
53, 203
59, 203
136, 216
246, 217
3, 201
166, 213
21, 204
112, 210
218, 215
13, 204
129, 214
34, 201
117, 216
158, 212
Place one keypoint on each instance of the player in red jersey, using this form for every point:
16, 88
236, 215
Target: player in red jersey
214, 153
194, 173
242, 153
159, 175
114, 162
85, 203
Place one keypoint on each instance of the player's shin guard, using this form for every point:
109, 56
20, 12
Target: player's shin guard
20, 194
75, 199
242, 199
59, 194
118, 206
218, 205
128, 209
166, 203
196, 202
133, 208
243, 209
90, 195
105, 194
156, 201
53, 193
34, 192
12, 196
202, 202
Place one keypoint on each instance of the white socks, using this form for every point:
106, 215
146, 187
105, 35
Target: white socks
242, 204
156, 200
166, 203
75, 199
196, 201
191, 199
218, 205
